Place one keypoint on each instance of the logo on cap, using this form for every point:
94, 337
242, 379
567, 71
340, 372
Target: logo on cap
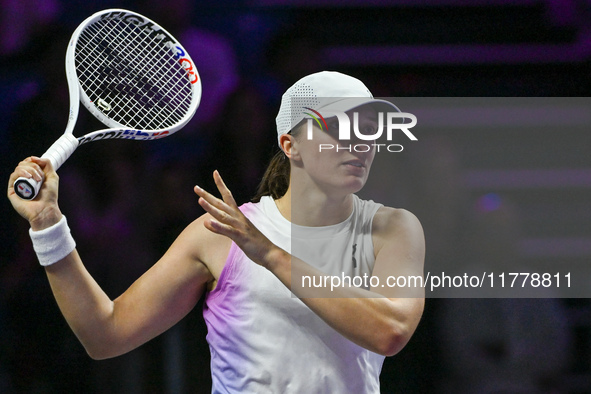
315, 118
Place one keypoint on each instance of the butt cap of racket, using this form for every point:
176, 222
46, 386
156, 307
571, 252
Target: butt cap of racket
26, 189
58, 153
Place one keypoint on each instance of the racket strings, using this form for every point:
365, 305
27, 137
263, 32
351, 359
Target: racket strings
167, 78
137, 60
165, 71
133, 109
132, 77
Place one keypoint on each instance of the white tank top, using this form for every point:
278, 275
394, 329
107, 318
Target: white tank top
265, 340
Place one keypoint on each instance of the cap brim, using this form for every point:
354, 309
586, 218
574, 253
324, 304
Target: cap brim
349, 103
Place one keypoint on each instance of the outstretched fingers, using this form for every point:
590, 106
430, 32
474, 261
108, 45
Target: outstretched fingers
216, 207
227, 219
225, 213
223, 189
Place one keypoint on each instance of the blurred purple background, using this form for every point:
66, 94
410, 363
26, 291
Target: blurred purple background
479, 196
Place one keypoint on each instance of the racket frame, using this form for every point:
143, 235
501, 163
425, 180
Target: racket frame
62, 149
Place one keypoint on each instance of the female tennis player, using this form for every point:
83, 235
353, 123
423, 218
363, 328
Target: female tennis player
270, 327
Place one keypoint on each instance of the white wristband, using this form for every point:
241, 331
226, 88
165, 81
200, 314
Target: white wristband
53, 243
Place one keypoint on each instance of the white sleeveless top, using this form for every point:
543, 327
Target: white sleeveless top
265, 340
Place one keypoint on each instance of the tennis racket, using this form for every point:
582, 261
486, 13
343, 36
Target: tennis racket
132, 75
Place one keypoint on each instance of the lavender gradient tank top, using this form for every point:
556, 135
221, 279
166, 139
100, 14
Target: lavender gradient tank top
265, 340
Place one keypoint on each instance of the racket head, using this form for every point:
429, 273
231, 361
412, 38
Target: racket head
132, 75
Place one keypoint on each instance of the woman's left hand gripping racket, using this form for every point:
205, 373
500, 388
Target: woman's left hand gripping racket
129, 73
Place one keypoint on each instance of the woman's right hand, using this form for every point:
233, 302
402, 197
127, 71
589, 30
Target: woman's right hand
43, 211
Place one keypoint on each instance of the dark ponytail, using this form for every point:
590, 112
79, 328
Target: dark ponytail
275, 182
276, 178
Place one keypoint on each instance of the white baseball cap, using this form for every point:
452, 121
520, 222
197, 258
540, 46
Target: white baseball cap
326, 91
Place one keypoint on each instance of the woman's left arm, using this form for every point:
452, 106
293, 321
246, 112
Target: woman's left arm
381, 319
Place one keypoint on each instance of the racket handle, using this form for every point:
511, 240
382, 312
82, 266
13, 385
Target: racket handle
58, 153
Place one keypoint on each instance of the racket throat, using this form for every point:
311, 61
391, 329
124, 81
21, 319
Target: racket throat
61, 150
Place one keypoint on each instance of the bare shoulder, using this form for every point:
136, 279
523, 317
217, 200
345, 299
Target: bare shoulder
204, 246
396, 224
389, 219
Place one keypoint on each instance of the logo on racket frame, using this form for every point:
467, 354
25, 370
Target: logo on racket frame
185, 63
155, 32
128, 134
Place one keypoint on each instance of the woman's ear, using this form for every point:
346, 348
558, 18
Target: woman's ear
289, 146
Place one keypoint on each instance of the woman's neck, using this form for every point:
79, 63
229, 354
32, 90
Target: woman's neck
314, 209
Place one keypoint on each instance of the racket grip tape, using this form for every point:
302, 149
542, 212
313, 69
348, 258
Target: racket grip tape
58, 153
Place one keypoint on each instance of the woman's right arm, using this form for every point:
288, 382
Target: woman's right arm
154, 303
